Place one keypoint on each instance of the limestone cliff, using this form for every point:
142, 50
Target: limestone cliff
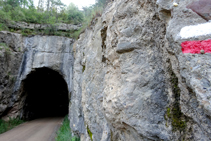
132, 80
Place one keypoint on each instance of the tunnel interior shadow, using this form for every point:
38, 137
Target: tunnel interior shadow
46, 94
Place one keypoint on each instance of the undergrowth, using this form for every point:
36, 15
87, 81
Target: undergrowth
7, 125
64, 133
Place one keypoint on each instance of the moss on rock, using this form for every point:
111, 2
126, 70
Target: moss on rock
178, 119
90, 133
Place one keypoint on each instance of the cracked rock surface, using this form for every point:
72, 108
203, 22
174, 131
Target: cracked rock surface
20, 56
132, 80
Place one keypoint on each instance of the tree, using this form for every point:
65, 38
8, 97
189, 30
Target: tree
102, 2
74, 14
13, 3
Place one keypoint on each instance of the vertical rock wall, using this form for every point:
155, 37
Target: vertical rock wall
131, 79
11, 52
21, 56
191, 70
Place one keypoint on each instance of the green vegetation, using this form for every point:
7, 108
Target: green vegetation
7, 49
178, 119
64, 133
3, 45
49, 12
84, 67
7, 125
90, 133
168, 112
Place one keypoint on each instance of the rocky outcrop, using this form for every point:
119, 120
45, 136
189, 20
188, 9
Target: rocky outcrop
11, 52
131, 79
22, 55
60, 26
192, 71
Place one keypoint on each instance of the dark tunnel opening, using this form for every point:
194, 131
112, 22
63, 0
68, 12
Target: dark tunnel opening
46, 94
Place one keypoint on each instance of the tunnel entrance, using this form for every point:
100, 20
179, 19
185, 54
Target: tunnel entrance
46, 94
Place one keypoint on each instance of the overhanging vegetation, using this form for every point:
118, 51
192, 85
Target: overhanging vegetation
51, 12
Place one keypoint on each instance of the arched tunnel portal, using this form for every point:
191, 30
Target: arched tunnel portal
45, 94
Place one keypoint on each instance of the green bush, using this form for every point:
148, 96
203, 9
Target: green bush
3, 27
64, 133
24, 11
4, 17
17, 14
74, 15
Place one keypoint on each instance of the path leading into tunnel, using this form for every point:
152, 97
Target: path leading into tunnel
37, 130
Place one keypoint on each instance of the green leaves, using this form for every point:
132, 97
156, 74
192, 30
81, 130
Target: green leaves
74, 15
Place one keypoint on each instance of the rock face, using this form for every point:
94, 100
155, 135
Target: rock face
60, 26
201, 7
21, 56
11, 52
131, 79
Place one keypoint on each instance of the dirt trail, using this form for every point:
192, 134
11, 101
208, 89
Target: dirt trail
36, 130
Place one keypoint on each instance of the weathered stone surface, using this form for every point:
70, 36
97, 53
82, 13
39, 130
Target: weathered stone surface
86, 101
11, 52
60, 26
25, 55
132, 79
193, 73
201, 7
123, 87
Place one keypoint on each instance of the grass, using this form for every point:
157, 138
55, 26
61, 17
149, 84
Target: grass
7, 125
64, 133
7, 49
3, 45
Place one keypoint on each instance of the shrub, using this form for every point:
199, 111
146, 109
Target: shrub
3, 27
17, 14
64, 133
74, 15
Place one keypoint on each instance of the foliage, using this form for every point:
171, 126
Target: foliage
15, 10
3, 44
90, 13
74, 15
49, 12
90, 133
7, 125
64, 133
